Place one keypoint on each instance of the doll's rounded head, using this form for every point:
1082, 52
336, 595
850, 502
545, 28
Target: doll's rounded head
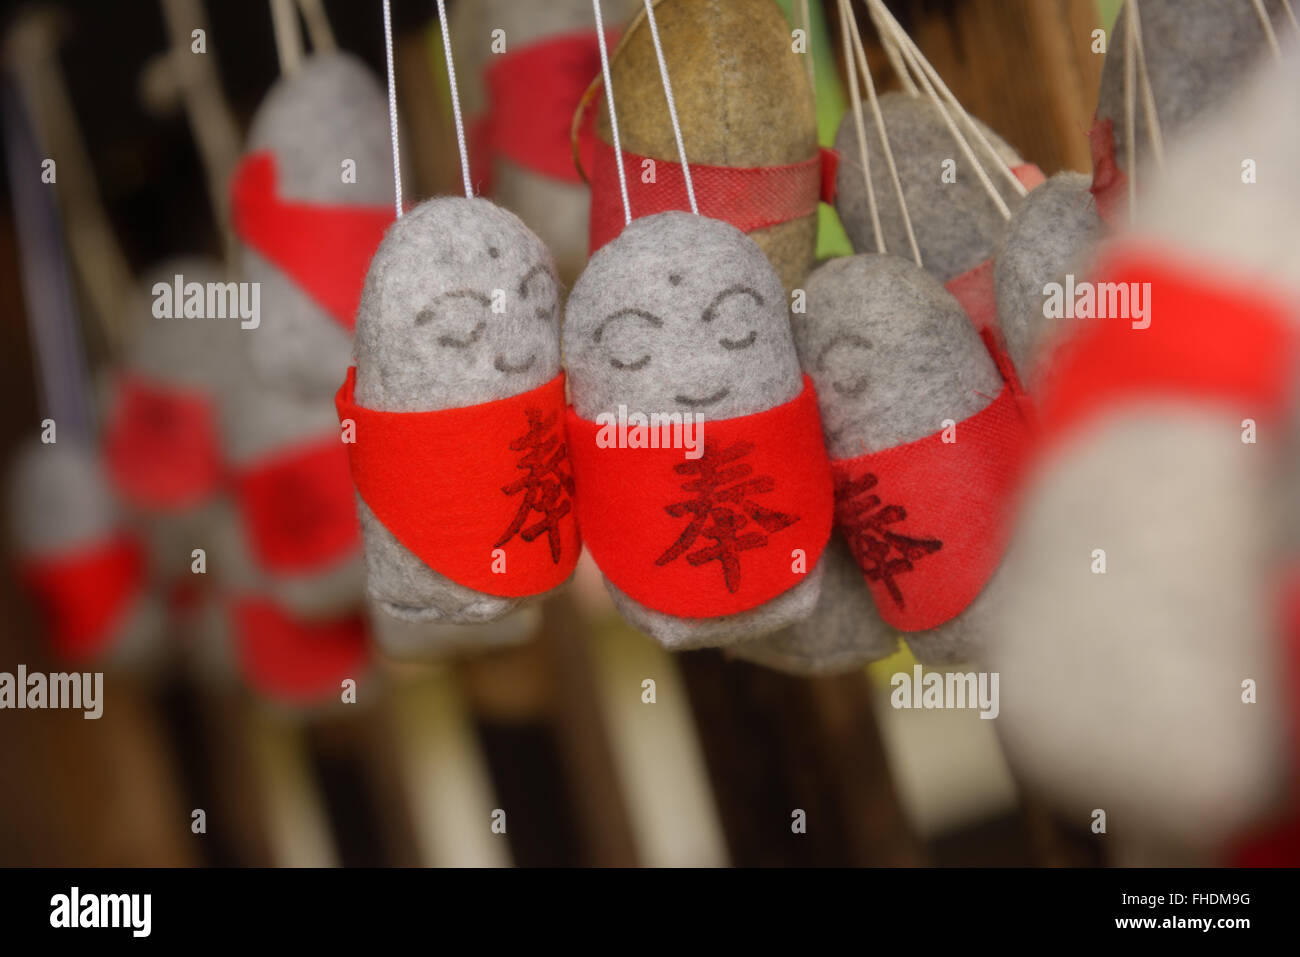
59, 497
461, 306
680, 313
891, 353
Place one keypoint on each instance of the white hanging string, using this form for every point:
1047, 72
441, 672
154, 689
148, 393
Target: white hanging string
455, 99
392, 109
806, 21
1144, 80
288, 42
613, 114
925, 70
855, 98
318, 26
1130, 114
672, 106
891, 52
1267, 24
846, 12
1295, 25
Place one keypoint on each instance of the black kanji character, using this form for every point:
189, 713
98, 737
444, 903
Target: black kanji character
545, 486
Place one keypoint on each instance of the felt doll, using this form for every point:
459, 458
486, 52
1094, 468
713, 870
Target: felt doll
1195, 55
533, 75
77, 559
748, 120
925, 440
1049, 237
310, 201
456, 401
683, 316
406, 640
293, 498
162, 441
1139, 589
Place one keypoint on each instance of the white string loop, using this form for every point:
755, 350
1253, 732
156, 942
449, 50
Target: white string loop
392, 109
855, 99
613, 115
672, 106
455, 99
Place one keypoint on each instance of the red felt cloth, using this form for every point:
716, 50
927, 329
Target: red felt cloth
974, 289
927, 521
1211, 339
749, 198
1109, 184
296, 661
297, 507
713, 536
456, 485
160, 445
83, 594
325, 250
534, 91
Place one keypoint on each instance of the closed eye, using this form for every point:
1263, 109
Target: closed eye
849, 342
712, 308
546, 312
432, 311
854, 388
744, 343
473, 337
633, 366
648, 318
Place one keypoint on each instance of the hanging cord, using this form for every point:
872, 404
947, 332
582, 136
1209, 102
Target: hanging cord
455, 99
911, 54
672, 106
931, 79
613, 115
318, 26
1148, 98
288, 43
856, 99
392, 109
846, 13
806, 21
1130, 112
1295, 25
892, 53
1267, 24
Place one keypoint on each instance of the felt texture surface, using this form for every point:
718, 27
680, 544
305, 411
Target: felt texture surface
893, 355
685, 314
1196, 54
332, 109
956, 224
656, 522
742, 97
428, 339
843, 633
1050, 235
500, 519
432, 641
293, 661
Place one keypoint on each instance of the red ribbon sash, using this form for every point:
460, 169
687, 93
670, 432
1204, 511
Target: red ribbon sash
292, 660
749, 198
534, 91
297, 507
83, 594
482, 494
161, 446
712, 536
1209, 338
326, 250
927, 521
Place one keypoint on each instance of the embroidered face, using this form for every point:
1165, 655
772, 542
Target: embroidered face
681, 313
891, 353
461, 306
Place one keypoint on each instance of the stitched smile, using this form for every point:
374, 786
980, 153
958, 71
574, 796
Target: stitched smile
465, 343
718, 396
502, 366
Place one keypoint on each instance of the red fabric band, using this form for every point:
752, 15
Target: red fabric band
325, 250
293, 660
297, 507
749, 198
1109, 184
1209, 338
656, 522
534, 91
928, 521
161, 446
456, 485
83, 594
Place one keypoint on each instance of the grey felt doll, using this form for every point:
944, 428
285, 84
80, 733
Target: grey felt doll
955, 223
1123, 657
461, 307
1049, 236
893, 356
315, 122
62, 509
684, 314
